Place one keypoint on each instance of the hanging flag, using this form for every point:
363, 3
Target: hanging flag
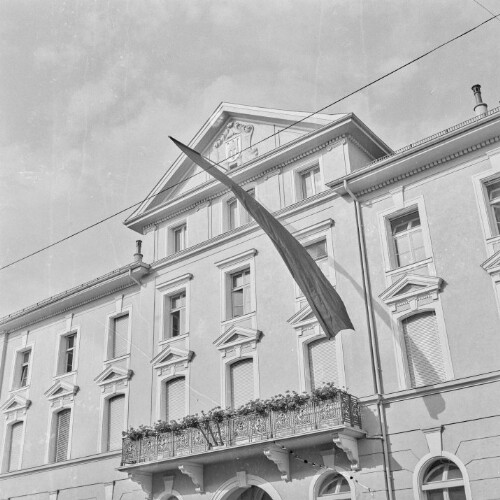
319, 292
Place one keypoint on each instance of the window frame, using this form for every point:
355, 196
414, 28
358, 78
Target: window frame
171, 229
109, 331
406, 234
15, 384
181, 244
61, 352
104, 434
426, 462
401, 208
228, 267
161, 402
7, 438
302, 169
320, 478
241, 216
226, 382
166, 291
52, 433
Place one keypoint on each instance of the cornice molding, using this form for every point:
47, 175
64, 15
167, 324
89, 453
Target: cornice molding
427, 166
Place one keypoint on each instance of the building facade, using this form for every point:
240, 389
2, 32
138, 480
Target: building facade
207, 315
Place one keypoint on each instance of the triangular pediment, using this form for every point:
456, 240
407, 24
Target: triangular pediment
492, 264
113, 374
15, 403
411, 286
170, 356
302, 317
237, 335
231, 137
60, 389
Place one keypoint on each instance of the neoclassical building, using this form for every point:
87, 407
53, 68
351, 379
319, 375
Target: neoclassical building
207, 315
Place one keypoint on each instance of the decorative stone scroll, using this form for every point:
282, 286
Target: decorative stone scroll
282, 460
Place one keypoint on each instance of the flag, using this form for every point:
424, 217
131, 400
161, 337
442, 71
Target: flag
319, 292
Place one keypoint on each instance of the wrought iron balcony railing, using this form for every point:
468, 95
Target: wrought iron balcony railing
240, 430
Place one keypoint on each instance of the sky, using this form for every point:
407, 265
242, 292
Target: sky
90, 91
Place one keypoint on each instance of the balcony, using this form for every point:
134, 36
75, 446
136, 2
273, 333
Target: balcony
337, 421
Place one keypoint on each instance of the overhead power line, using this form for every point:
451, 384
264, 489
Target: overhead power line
310, 115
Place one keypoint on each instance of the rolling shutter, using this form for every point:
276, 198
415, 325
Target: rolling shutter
241, 382
115, 422
15, 446
322, 362
425, 359
175, 399
120, 336
62, 435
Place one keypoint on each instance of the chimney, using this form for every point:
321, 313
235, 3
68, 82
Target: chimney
481, 108
138, 255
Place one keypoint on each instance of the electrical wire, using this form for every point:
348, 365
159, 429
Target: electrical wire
486, 9
359, 89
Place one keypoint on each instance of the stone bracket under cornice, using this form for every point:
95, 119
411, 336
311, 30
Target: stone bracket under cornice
145, 481
195, 473
281, 459
347, 441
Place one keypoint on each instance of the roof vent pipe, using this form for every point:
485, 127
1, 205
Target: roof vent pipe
481, 108
138, 255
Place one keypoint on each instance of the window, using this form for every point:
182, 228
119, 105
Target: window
24, 368
116, 409
493, 190
179, 236
334, 487
319, 253
119, 336
14, 453
241, 382
62, 435
408, 243
177, 317
240, 293
236, 215
69, 352
175, 399
443, 481
232, 213
310, 181
322, 357
423, 349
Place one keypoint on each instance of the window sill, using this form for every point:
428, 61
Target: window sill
409, 267
238, 318
119, 358
173, 339
63, 375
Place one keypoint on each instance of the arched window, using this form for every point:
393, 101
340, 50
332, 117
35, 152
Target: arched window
443, 481
334, 487
175, 399
423, 349
322, 357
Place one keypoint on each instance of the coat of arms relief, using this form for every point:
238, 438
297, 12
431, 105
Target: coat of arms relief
233, 147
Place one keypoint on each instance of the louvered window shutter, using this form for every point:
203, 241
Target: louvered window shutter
120, 336
423, 349
175, 399
62, 435
241, 382
322, 362
15, 446
116, 409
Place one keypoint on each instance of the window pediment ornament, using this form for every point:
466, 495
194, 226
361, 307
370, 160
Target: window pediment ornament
492, 265
61, 392
238, 338
113, 378
172, 360
410, 288
303, 317
15, 407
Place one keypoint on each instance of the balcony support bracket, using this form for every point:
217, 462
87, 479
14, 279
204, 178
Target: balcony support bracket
195, 472
282, 460
145, 481
349, 445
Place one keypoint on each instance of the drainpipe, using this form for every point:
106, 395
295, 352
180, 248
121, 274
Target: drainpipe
374, 351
